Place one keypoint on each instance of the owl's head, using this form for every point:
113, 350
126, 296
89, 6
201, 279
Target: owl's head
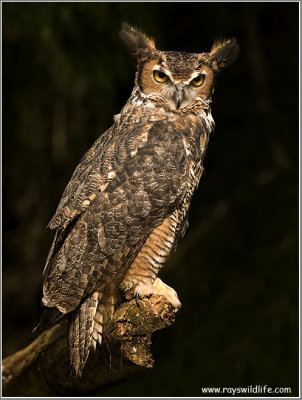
179, 78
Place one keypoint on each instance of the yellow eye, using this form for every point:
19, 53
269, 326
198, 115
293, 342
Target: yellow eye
198, 80
160, 76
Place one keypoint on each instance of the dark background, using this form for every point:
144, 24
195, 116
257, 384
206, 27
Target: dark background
65, 74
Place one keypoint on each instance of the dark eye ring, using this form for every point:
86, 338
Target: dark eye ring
160, 76
198, 80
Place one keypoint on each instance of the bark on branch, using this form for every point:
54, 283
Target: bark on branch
42, 368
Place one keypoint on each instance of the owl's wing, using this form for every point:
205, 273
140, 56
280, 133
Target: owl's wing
139, 178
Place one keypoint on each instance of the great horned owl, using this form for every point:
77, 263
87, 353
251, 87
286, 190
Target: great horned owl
127, 202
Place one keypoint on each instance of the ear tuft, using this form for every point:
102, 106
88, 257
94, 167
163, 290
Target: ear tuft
137, 41
224, 53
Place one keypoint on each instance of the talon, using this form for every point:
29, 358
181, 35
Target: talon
137, 299
176, 309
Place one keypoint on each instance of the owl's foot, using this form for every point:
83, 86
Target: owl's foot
158, 288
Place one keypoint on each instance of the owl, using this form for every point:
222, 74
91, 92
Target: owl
127, 202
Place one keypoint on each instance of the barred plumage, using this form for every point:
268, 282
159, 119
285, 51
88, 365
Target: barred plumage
126, 204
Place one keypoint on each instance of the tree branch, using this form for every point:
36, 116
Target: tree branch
42, 368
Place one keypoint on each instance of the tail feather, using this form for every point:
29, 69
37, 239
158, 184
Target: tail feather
81, 324
86, 326
97, 334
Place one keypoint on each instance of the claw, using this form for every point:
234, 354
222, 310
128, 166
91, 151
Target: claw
159, 288
137, 299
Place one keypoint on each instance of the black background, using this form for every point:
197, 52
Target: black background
65, 74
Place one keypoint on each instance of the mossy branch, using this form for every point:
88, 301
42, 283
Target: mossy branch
42, 368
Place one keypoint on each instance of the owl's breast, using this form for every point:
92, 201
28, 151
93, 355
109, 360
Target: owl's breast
195, 134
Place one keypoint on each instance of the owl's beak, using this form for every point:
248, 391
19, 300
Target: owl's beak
179, 96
